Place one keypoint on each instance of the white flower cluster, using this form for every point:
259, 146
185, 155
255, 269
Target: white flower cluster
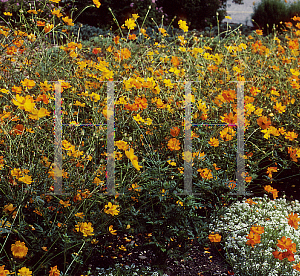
234, 225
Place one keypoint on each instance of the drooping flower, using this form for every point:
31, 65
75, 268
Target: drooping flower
19, 249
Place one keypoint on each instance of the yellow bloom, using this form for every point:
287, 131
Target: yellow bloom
228, 17
111, 209
68, 21
55, 1
37, 114
133, 159
7, 13
29, 84
85, 228
32, 11
111, 230
183, 26
26, 104
97, 3
48, 28
121, 145
130, 24
24, 271
54, 271
57, 13
19, 249
26, 179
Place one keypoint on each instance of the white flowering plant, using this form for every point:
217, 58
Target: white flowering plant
260, 236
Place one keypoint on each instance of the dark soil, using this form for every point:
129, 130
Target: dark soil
200, 260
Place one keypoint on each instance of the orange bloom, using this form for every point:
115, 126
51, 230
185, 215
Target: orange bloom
263, 122
214, 237
257, 229
19, 249
286, 243
293, 220
54, 271
253, 239
174, 144
141, 103
250, 201
214, 142
175, 131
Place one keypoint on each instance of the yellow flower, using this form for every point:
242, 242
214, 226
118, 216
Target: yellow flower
26, 104
111, 230
259, 32
97, 3
121, 145
85, 228
54, 271
32, 11
48, 28
130, 24
133, 159
26, 179
228, 17
111, 209
55, 1
183, 26
135, 16
68, 21
57, 13
19, 249
24, 271
7, 13
37, 114
29, 84
214, 237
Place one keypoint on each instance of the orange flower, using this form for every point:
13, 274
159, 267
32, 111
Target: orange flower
48, 28
68, 21
97, 3
297, 267
132, 37
293, 220
40, 23
257, 229
141, 103
214, 142
286, 243
205, 173
175, 131
250, 201
29, 84
253, 239
259, 32
263, 122
214, 237
174, 144
19, 249
54, 271
3, 272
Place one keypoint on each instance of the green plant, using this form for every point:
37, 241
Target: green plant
270, 14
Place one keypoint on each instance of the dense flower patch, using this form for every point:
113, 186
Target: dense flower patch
39, 228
